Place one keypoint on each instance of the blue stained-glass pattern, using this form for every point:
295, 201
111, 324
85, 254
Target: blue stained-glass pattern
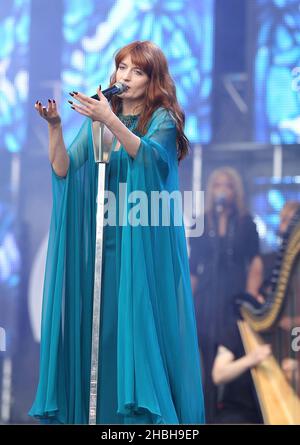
94, 31
277, 72
10, 256
267, 199
9, 252
14, 38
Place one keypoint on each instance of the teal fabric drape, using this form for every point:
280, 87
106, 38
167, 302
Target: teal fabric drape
149, 368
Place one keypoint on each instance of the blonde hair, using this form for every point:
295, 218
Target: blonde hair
237, 185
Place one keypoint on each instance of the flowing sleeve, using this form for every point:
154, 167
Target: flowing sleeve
157, 338
78, 150
158, 146
68, 286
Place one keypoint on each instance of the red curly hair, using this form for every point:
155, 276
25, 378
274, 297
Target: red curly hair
161, 90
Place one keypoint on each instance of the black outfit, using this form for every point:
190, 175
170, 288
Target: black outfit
221, 265
238, 401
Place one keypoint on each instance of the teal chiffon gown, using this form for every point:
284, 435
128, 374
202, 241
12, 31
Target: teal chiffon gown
149, 368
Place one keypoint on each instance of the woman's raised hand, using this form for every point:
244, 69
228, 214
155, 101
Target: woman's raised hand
97, 110
50, 114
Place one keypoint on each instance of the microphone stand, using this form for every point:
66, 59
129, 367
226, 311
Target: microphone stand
102, 153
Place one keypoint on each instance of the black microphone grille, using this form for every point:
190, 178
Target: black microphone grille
121, 86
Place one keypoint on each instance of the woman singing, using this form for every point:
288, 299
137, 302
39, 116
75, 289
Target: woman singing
149, 369
224, 263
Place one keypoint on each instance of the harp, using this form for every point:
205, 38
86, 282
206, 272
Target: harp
277, 322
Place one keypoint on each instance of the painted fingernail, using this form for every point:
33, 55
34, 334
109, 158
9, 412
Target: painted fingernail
99, 87
37, 102
70, 102
71, 94
54, 101
49, 101
75, 92
73, 108
40, 103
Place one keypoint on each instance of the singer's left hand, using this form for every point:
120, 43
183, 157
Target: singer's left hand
97, 110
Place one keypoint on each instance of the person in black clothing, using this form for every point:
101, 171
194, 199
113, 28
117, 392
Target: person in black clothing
231, 372
222, 264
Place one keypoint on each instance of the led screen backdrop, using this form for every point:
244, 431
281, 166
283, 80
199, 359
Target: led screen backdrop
14, 56
94, 31
277, 72
10, 263
267, 199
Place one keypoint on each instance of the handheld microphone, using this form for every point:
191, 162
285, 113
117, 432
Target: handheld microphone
117, 88
220, 202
